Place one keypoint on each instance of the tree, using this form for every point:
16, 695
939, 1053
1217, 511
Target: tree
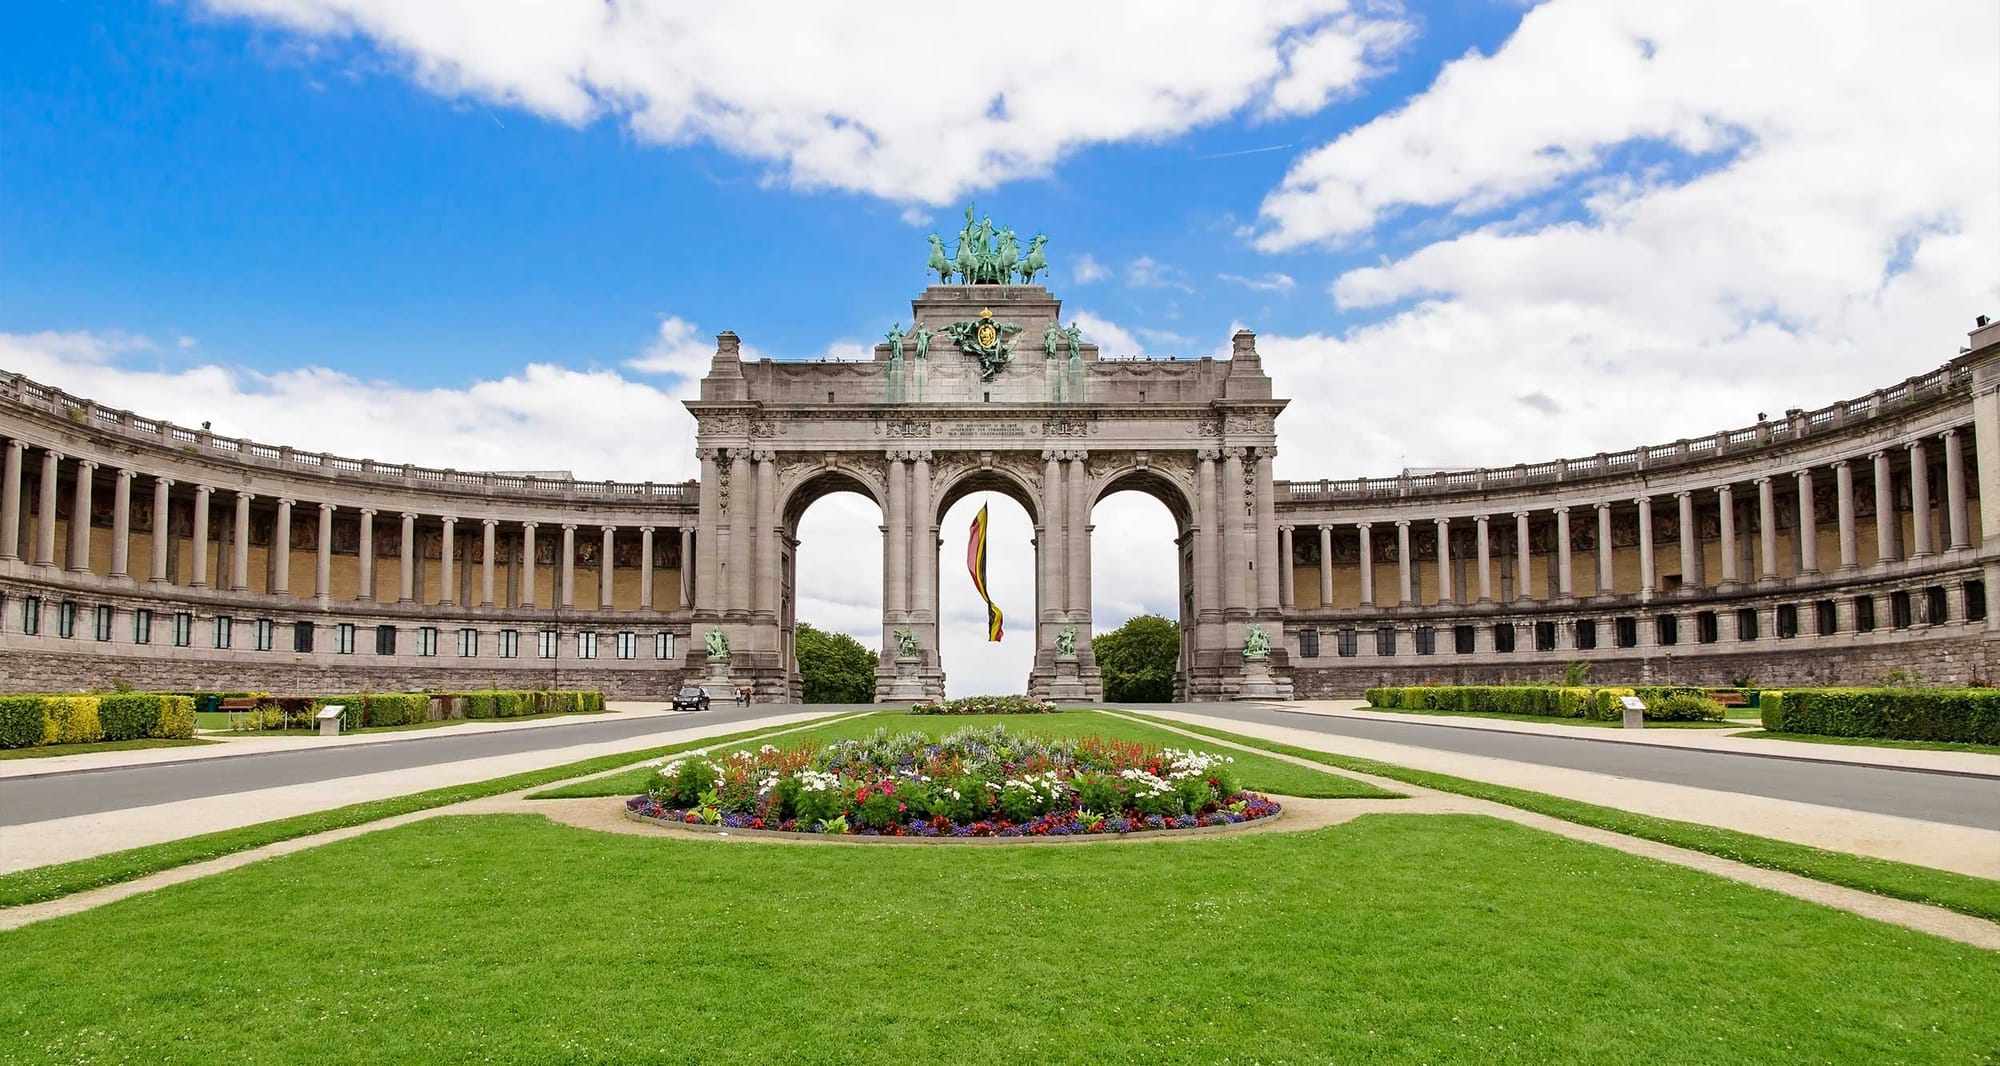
1138, 659
835, 667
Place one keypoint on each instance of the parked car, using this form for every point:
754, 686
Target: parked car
691, 698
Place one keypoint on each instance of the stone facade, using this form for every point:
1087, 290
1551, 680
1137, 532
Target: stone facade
1831, 545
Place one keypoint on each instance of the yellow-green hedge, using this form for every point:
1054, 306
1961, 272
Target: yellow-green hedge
1549, 701
70, 720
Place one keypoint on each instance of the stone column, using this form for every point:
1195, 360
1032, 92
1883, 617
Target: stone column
366, 564
923, 540
239, 556
645, 568
742, 508
1524, 563
1235, 554
1807, 527
79, 519
1078, 513
1285, 574
528, 563
1767, 530
1444, 561
45, 516
1725, 499
1367, 565
1690, 538
1604, 577
1052, 555
566, 596
1843, 484
1648, 580
770, 551
1958, 519
896, 542
605, 573
447, 575
711, 524
121, 525
1404, 589
406, 579
162, 530
1565, 572
323, 564
10, 502
281, 550
198, 573
1485, 559
1888, 529
687, 567
488, 533
1920, 502
1270, 571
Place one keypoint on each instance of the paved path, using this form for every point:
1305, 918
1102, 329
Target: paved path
1781, 774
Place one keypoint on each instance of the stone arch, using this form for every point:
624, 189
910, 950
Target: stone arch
802, 485
956, 483
1164, 484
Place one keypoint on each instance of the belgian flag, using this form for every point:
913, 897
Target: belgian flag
975, 561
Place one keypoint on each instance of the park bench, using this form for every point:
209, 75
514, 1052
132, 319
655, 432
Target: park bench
235, 706
1730, 698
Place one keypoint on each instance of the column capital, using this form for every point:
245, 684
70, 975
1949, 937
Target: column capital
1913, 445
329, 507
51, 453
1402, 523
708, 455
1480, 518
1050, 455
1879, 454
1442, 522
610, 529
763, 455
367, 512
529, 525
1840, 464
16, 444
1725, 491
409, 516
1285, 527
1233, 452
1522, 514
489, 522
86, 464
569, 527
245, 495
1602, 505
167, 481
283, 502
1948, 434
1766, 480
1683, 494
1363, 526
1206, 455
1643, 501
1560, 508
450, 519
646, 529
1803, 475
920, 455
127, 473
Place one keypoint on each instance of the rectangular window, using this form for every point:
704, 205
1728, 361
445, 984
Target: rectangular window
1385, 640
1464, 640
1746, 623
66, 619
663, 645
1935, 610
628, 644
510, 643
225, 630
468, 643
1899, 609
1826, 618
265, 633
1864, 614
142, 625
1788, 621
101, 623
427, 641
1625, 631
302, 636
1427, 640
1975, 601
1545, 636
1308, 643
1503, 637
31, 615
1347, 642
385, 640
343, 639
183, 629
1586, 634
586, 645
1705, 627
546, 644
1667, 629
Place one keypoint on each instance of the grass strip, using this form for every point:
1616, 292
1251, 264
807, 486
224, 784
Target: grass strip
56, 880
50, 751
1875, 742
1976, 896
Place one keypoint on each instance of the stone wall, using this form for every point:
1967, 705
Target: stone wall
29, 671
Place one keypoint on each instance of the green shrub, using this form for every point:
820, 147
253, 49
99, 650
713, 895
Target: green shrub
129, 715
20, 721
1683, 707
1604, 704
397, 708
70, 720
1963, 716
1387, 698
176, 718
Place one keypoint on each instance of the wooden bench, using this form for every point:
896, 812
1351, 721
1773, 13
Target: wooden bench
234, 706
1731, 698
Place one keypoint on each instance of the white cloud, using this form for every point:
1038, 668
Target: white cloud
1147, 272
849, 351
900, 99
1111, 339
678, 350
1272, 282
1088, 269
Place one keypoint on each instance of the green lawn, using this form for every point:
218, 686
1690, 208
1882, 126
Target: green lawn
1442, 939
1875, 742
1259, 773
218, 722
44, 751
1555, 720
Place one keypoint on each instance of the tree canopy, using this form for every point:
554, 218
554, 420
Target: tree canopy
1138, 658
834, 666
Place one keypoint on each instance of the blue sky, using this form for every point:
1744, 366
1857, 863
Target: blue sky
1475, 232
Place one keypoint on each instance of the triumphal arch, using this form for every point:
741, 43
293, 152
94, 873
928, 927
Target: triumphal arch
986, 389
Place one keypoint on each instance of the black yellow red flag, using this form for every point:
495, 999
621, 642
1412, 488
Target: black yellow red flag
975, 561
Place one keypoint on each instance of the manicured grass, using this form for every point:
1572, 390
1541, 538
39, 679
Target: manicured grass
44, 751
1875, 742
218, 722
61, 879
1554, 720
1256, 772
1443, 939
1976, 896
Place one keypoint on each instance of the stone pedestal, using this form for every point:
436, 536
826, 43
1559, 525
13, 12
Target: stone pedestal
717, 684
1067, 687
908, 687
1258, 684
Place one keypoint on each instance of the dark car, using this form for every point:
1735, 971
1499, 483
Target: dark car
690, 698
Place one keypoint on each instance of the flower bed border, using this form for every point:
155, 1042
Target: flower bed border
863, 838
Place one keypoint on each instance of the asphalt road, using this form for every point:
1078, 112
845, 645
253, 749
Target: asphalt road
1959, 800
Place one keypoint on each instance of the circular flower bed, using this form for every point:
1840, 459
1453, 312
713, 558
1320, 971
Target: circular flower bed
977, 782
986, 705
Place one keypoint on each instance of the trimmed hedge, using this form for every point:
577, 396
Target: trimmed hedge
1548, 701
20, 721
1955, 715
397, 708
70, 720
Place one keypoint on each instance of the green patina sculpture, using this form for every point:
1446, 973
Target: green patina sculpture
986, 340
1052, 339
718, 645
1256, 642
987, 255
1066, 642
1075, 335
906, 644
1035, 262
923, 335
895, 336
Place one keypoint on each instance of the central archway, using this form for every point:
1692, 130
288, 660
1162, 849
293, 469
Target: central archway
829, 579
1146, 570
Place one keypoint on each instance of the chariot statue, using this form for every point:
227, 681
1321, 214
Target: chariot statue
906, 644
718, 645
1066, 642
1256, 642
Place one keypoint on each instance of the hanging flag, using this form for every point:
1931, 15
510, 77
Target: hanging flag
975, 561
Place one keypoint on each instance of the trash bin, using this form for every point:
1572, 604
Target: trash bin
207, 701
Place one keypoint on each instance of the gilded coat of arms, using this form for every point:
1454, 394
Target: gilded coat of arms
986, 340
